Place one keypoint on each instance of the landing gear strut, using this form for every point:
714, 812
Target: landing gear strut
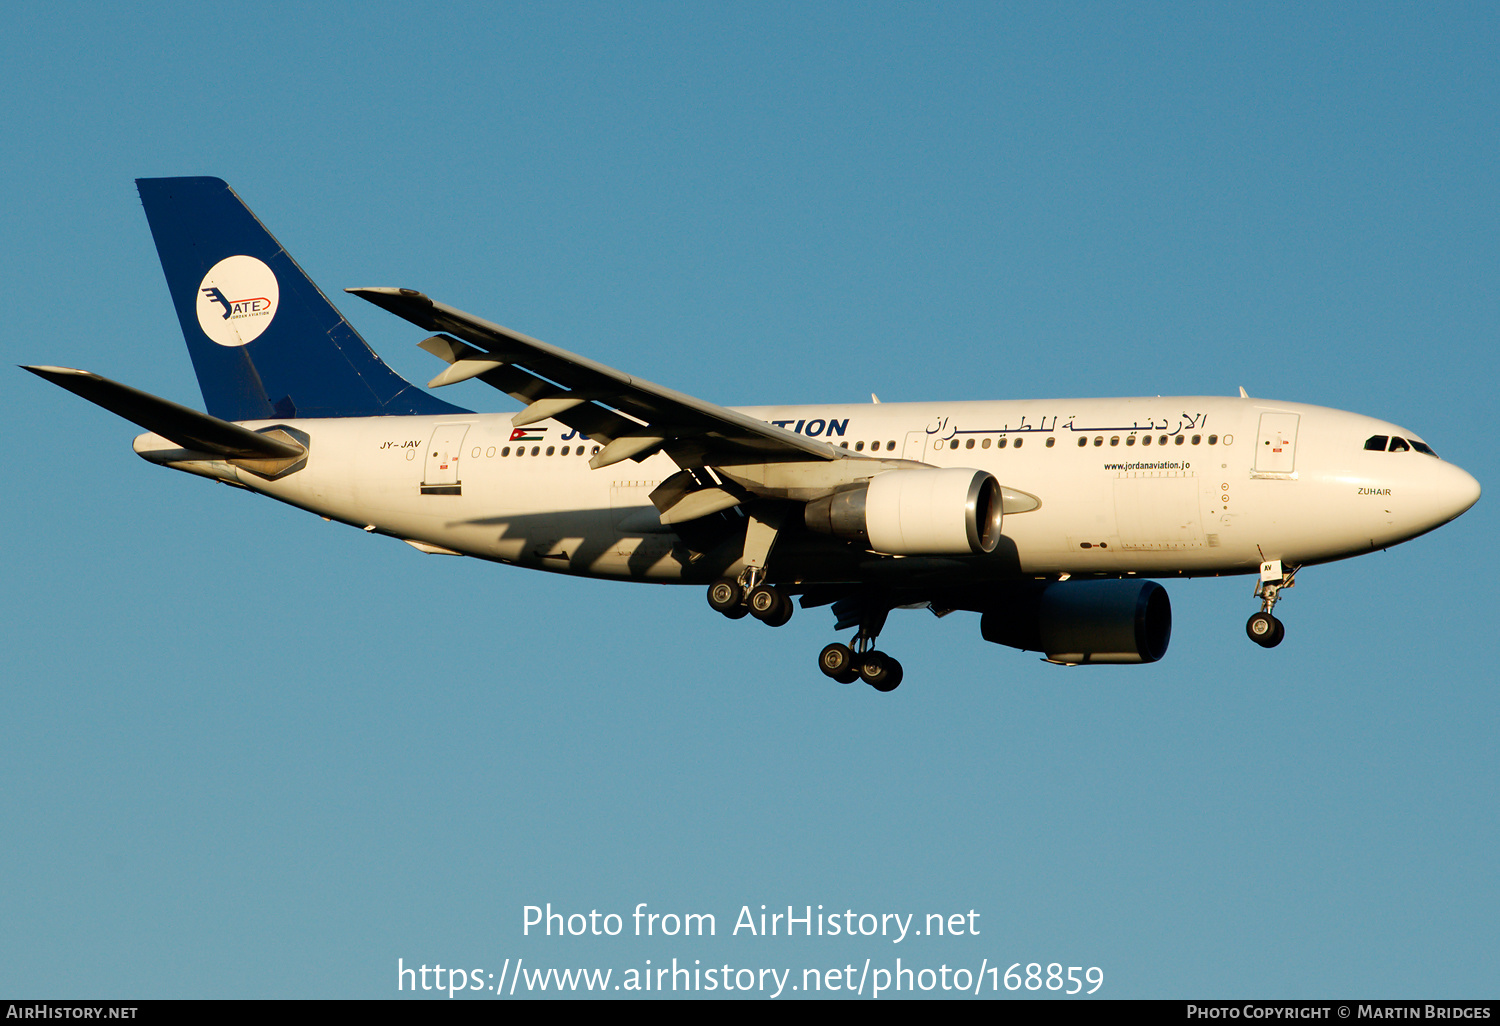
749, 592
1264, 629
845, 664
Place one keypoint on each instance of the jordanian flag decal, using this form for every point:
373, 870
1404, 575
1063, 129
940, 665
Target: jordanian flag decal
527, 434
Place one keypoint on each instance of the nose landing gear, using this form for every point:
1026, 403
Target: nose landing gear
1263, 628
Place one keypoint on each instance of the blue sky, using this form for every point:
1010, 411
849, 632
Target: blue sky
250, 753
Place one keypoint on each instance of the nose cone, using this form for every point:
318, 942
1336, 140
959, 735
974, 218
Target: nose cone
1454, 490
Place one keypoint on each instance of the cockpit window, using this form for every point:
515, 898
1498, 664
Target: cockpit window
1395, 443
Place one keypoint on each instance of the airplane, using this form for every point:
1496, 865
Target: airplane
1052, 518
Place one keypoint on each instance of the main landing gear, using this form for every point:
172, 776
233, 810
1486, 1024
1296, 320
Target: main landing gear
861, 662
749, 593
766, 602
847, 665
1264, 629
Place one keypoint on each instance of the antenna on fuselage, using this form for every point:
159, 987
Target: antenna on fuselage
874, 398
1243, 393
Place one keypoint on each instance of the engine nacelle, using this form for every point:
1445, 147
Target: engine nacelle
937, 512
1110, 621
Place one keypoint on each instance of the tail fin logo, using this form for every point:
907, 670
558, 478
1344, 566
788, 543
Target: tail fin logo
237, 300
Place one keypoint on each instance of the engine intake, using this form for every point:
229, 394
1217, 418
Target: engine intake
1113, 621
937, 512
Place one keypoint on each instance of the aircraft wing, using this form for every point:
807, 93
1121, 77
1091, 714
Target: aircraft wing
631, 418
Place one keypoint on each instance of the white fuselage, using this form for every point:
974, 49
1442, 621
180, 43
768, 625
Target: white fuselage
1148, 486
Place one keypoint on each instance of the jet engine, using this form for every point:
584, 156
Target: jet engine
926, 512
1104, 621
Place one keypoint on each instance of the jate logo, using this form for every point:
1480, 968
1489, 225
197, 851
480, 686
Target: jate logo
237, 300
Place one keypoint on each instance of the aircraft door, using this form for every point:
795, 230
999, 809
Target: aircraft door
1276, 446
915, 446
441, 474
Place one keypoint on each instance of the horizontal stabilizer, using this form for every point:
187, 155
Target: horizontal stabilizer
187, 427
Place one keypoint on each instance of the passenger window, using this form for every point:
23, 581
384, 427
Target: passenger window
1377, 443
1050, 442
953, 444
505, 451
1019, 441
1398, 444
969, 444
1130, 439
1082, 442
490, 451
565, 450
1197, 439
859, 446
1098, 439
985, 444
890, 445
535, 450
1162, 440
1115, 440
1145, 439
596, 450
1213, 439
1181, 439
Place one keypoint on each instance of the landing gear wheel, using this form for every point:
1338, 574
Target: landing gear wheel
1265, 630
837, 661
880, 671
763, 601
770, 606
783, 615
728, 598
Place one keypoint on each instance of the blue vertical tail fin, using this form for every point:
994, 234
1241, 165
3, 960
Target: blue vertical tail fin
265, 341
